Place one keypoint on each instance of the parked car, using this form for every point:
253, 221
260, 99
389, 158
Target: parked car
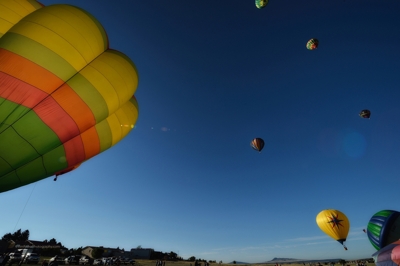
125, 260
60, 260
106, 261
74, 260
85, 260
98, 262
31, 258
15, 257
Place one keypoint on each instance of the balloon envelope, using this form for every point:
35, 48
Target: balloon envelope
257, 144
261, 3
365, 113
388, 256
13, 11
334, 223
384, 228
312, 44
64, 96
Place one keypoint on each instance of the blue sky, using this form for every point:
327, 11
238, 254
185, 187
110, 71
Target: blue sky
213, 76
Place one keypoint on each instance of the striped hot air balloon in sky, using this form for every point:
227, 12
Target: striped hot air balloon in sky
312, 44
64, 95
257, 144
384, 228
365, 113
261, 3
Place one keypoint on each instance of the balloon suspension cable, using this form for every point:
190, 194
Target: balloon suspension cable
26, 203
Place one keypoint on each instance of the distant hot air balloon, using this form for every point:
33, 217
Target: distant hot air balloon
335, 224
312, 44
365, 231
388, 256
384, 228
257, 144
63, 93
365, 113
261, 3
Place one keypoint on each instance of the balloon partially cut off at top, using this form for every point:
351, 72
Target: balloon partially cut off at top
63, 93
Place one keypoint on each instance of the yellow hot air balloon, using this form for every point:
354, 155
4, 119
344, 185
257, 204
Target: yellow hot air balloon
335, 224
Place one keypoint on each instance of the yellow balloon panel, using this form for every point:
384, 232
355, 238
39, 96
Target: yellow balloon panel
67, 31
12, 11
114, 76
334, 223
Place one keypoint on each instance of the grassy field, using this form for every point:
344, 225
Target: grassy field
188, 263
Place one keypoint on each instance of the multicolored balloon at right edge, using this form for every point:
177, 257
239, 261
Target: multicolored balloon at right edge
388, 256
384, 228
335, 224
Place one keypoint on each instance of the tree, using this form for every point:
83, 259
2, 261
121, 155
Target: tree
16, 236
7, 237
192, 258
53, 241
173, 256
139, 247
97, 253
234, 262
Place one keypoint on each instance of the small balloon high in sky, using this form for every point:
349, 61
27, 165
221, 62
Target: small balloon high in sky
261, 3
257, 144
312, 44
365, 113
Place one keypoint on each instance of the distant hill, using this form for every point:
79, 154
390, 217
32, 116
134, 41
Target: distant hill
282, 259
290, 260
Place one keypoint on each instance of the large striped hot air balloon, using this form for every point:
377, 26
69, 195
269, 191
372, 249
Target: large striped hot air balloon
384, 228
64, 95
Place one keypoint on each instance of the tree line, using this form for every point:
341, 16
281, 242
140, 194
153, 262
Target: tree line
20, 235
97, 252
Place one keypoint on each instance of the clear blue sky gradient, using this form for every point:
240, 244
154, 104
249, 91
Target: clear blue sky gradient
213, 76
